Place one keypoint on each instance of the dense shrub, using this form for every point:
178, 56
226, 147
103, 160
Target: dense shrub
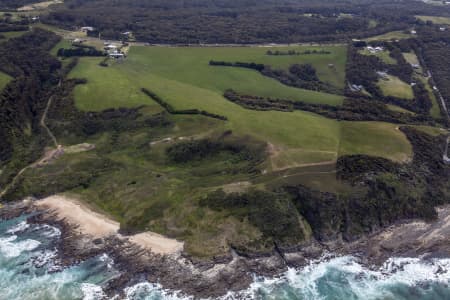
273, 214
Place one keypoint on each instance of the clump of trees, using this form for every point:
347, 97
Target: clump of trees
253, 66
272, 213
249, 151
7, 27
80, 51
22, 101
242, 21
299, 75
351, 110
362, 70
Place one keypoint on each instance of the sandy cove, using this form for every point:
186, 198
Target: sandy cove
96, 225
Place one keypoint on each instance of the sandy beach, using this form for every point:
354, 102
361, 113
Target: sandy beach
96, 225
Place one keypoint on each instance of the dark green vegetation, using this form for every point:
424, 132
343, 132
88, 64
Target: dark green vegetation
243, 21
254, 148
22, 101
435, 53
399, 84
12, 4
79, 50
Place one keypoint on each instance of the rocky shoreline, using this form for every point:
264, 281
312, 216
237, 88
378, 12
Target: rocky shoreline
216, 277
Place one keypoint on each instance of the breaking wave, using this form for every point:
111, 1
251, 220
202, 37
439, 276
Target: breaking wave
29, 270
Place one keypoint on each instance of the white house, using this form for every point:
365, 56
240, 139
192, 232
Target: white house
87, 28
116, 55
374, 49
110, 47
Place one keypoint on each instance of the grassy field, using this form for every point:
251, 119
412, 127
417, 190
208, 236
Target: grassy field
435, 20
4, 79
383, 55
366, 137
106, 88
399, 109
195, 60
411, 57
393, 86
394, 35
435, 110
183, 78
434, 131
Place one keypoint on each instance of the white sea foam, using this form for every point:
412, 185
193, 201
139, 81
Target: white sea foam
45, 257
21, 227
360, 282
146, 290
106, 259
49, 231
92, 291
9, 247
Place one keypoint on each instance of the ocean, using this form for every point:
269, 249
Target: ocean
29, 270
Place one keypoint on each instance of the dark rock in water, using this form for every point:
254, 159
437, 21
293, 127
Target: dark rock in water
215, 277
98, 241
15, 210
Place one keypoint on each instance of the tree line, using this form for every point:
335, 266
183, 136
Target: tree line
242, 21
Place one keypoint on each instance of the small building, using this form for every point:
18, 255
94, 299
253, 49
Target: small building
442, 28
110, 47
382, 74
356, 87
415, 66
87, 29
413, 32
116, 55
374, 49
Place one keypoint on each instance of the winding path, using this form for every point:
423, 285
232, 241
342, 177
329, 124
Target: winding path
47, 156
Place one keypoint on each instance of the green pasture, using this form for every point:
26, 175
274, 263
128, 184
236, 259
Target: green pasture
399, 109
435, 110
393, 86
189, 82
383, 55
183, 78
393, 35
375, 139
185, 62
4, 79
411, 57
435, 20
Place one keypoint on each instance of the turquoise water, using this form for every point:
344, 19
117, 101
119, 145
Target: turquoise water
29, 270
